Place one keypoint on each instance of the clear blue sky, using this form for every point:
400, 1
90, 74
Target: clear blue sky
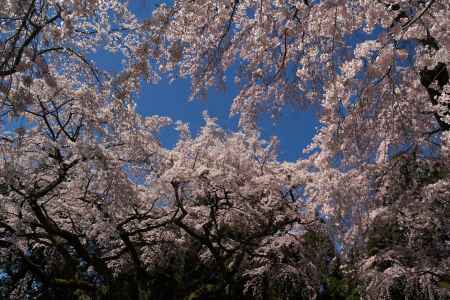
294, 128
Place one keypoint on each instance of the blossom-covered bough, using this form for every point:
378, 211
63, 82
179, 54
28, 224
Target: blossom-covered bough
69, 141
91, 204
378, 71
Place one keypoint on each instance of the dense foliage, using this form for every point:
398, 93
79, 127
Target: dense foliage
92, 206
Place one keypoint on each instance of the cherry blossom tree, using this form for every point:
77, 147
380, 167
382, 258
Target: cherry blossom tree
378, 73
93, 207
65, 174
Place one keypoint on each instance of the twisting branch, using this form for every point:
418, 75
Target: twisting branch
28, 40
230, 22
283, 59
417, 17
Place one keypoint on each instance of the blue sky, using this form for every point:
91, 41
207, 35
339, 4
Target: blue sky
294, 128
